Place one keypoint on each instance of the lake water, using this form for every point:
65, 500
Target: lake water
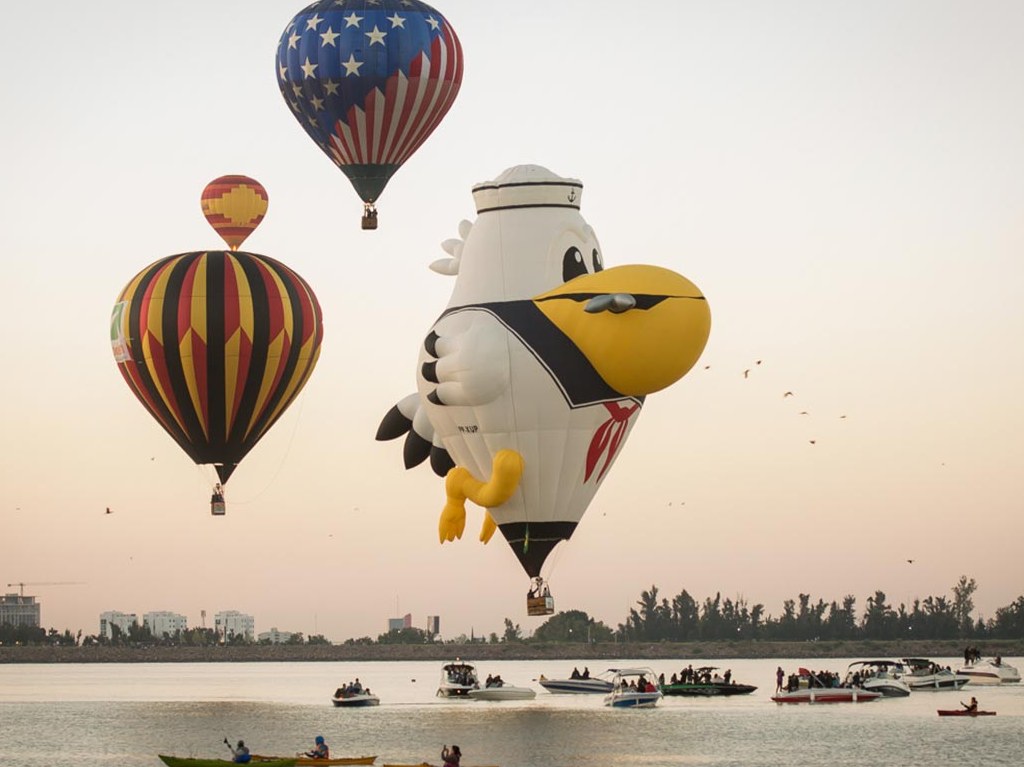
125, 714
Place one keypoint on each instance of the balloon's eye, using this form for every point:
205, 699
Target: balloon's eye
598, 263
572, 264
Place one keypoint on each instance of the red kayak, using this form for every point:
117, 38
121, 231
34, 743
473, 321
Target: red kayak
964, 712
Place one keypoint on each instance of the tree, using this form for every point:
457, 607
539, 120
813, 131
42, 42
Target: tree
512, 632
409, 635
572, 626
963, 603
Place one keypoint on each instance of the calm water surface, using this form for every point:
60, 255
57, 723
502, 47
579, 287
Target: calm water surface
125, 714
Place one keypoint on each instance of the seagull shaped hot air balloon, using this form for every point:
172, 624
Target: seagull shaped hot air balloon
532, 378
369, 80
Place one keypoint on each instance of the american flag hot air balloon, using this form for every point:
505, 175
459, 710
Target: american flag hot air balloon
369, 80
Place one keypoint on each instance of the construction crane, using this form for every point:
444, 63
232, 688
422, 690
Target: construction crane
21, 585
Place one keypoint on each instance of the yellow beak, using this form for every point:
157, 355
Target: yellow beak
644, 329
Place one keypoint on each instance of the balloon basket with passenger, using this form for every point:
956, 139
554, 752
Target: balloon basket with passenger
539, 600
369, 216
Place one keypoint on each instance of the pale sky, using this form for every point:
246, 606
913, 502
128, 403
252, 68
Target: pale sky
844, 181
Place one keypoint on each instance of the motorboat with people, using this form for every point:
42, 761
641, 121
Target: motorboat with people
457, 679
989, 671
923, 674
355, 699
354, 695
496, 688
580, 682
883, 676
633, 688
705, 681
807, 687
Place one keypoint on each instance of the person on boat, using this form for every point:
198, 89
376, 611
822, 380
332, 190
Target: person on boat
586, 673
727, 676
575, 673
240, 754
321, 750
780, 676
971, 707
451, 756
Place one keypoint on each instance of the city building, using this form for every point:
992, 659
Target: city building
163, 623
229, 623
433, 625
397, 624
19, 610
123, 621
276, 637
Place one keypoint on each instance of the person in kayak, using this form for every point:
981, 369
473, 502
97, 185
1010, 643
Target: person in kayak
971, 707
240, 754
321, 750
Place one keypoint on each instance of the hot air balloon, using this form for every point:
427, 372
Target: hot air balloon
531, 380
216, 345
234, 207
369, 80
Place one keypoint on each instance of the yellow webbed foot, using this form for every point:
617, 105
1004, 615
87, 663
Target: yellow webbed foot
452, 523
489, 527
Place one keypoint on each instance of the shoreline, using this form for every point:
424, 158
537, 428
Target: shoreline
479, 651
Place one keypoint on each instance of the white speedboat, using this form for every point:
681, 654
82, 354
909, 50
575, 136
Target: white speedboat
922, 674
633, 688
990, 671
806, 687
502, 692
355, 699
881, 676
457, 679
602, 683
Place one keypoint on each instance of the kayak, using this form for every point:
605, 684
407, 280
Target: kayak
187, 761
303, 760
964, 712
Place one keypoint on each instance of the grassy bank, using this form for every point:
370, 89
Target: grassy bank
506, 651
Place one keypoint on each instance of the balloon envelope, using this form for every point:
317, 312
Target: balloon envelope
234, 206
216, 345
369, 81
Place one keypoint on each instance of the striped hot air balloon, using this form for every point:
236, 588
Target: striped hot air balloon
369, 80
216, 345
234, 206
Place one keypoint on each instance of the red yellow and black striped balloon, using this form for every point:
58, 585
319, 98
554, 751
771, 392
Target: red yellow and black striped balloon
234, 206
216, 345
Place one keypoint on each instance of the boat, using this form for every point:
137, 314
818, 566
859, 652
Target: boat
457, 679
707, 683
502, 692
642, 694
602, 683
355, 699
810, 689
883, 676
922, 674
964, 712
990, 671
188, 761
303, 760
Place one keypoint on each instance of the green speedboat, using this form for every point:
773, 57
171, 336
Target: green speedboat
187, 761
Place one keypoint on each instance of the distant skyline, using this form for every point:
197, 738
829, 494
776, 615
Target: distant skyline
843, 181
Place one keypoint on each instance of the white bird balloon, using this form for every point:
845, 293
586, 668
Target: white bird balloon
531, 380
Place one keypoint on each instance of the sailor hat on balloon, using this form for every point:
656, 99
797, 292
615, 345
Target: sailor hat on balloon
533, 376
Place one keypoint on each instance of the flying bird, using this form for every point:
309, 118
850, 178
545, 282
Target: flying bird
746, 373
804, 412
813, 441
787, 394
910, 561
109, 511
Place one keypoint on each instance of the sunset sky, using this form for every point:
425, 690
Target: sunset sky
843, 181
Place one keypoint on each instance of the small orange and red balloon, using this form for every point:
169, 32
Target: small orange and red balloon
234, 206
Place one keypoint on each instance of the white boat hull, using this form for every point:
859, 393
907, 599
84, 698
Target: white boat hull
988, 673
632, 699
577, 686
505, 692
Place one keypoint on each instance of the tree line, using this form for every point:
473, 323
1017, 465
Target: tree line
655, 619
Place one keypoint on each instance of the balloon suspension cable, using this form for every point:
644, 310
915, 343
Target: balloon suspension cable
369, 216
